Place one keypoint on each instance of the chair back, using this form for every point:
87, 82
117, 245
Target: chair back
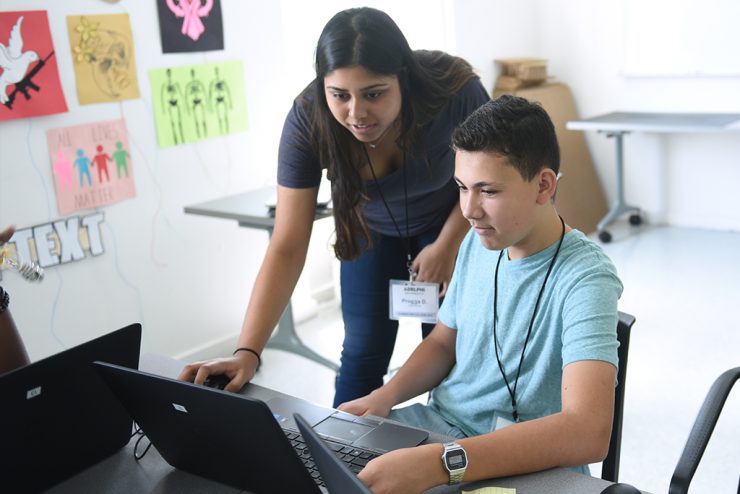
702, 431
610, 465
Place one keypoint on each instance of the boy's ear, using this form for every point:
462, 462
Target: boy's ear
547, 181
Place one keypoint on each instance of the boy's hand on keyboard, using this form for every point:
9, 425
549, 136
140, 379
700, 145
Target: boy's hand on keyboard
407, 470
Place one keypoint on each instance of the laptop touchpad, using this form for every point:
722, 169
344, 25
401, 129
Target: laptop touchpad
389, 436
342, 430
284, 408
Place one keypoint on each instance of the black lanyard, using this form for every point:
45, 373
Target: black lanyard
388, 209
512, 392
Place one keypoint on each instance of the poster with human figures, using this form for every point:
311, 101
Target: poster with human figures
103, 58
29, 77
196, 102
190, 25
91, 165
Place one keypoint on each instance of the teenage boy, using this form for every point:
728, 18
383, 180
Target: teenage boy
522, 362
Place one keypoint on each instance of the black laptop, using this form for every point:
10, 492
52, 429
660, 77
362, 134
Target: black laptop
374, 434
59, 417
335, 472
226, 437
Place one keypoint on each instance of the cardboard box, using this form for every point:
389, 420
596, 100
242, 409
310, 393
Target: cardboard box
509, 83
532, 70
580, 198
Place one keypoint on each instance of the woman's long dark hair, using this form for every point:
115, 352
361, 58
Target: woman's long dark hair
369, 38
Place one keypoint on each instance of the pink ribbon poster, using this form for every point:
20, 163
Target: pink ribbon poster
190, 25
91, 164
29, 77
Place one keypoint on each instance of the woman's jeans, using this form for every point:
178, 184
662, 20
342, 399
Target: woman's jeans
369, 333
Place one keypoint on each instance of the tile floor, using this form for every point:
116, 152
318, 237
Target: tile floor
683, 286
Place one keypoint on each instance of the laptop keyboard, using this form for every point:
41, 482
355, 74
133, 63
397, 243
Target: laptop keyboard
355, 458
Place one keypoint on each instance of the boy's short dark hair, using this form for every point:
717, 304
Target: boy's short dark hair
514, 127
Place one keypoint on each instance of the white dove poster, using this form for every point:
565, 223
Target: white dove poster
29, 77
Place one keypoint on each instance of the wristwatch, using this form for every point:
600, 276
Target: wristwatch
455, 461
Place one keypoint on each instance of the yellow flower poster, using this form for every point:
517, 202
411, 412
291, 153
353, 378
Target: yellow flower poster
103, 57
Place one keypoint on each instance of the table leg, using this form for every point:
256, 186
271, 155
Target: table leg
286, 339
619, 205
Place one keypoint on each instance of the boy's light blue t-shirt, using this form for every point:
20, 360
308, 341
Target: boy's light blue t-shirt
576, 320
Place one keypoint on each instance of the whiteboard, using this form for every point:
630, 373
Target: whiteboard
684, 38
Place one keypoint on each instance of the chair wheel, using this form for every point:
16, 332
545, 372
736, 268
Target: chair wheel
605, 236
635, 219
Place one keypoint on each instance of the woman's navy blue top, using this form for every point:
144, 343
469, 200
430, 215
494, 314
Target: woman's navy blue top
432, 192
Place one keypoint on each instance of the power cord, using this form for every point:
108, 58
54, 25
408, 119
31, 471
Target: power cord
140, 433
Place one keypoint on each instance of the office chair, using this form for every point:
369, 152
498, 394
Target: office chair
610, 465
702, 431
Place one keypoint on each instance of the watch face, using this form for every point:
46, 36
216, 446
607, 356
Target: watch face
456, 459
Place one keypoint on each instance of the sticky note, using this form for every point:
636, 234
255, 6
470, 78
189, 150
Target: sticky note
491, 490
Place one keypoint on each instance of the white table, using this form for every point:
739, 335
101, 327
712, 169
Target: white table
250, 210
617, 124
121, 474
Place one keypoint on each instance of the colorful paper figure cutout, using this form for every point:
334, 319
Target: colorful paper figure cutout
62, 169
82, 163
190, 25
103, 56
101, 162
197, 102
29, 78
76, 151
121, 157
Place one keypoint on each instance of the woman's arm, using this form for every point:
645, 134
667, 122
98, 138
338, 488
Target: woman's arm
436, 261
276, 280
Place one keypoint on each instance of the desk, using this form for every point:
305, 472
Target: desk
121, 474
250, 211
618, 124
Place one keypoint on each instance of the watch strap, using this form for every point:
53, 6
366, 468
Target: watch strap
456, 476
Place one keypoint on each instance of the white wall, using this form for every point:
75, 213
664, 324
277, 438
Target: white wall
186, 278
680, 179
684, 180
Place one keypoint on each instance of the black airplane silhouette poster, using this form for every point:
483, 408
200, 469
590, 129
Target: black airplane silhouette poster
29, 77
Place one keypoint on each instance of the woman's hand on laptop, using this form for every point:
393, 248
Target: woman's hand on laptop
240, 369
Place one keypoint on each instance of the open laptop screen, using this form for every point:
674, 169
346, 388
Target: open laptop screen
58, 415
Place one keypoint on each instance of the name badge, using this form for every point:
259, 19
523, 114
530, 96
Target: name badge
413, 299
501, 423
